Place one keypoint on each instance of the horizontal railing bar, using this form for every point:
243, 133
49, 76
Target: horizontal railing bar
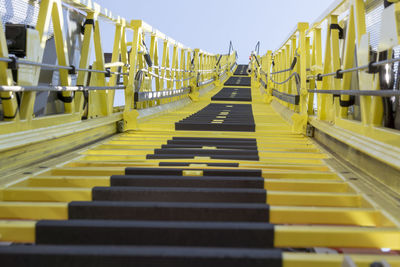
289, 98
206, 82
55, 67
358, 92
155, 95
55, 88
363, 67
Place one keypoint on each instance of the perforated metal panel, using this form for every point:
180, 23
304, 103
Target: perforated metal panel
26, 12
373, 19
21, 12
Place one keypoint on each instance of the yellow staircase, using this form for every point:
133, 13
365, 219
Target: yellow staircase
309, 204
273, 163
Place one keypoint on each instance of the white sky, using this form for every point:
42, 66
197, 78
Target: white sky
211, 24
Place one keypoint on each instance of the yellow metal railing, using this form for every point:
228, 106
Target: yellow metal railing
143, 68
327, 86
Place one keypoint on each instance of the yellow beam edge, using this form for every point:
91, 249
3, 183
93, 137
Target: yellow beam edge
336, 236
334, 260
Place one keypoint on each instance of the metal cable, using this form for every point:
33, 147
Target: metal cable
165, 78
384, 93
56, 67
55, 88
363, 67
297, 79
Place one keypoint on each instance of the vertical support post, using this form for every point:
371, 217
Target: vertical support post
61, 51
194, 94
365, 80
130, 114
182, 67
84, 62
114, 58
348, 61
187, 68
8, 99
174, 66
164, 63
286, 60
316, 67
154, 56
335, 66
325, 100
300, 120
308, 67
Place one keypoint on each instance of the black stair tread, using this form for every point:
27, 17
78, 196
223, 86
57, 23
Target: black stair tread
159, 233
238, 81
238, 117
187, 181
215, 127
212, 143
206, 172
200, 151
214, 139
169, 211
138, 256
233, 94
233, 148
241, 70
192, 156
212, 164
178, 194
228, 98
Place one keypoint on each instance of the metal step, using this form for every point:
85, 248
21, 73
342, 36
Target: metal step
155, 233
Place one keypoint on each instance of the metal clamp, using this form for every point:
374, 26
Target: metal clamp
335, 26
13, 64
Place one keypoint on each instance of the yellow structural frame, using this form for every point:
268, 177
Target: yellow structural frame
311, 205
368, 135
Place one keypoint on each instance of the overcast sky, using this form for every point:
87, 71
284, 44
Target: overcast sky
211, 24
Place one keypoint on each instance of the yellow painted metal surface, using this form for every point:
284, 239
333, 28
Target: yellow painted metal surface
300, 192
311, 204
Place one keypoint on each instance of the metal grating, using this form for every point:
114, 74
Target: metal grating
21, 12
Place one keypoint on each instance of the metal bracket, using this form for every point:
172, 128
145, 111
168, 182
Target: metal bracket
310, 130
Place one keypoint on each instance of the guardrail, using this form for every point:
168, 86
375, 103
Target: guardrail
350, 85
85, 88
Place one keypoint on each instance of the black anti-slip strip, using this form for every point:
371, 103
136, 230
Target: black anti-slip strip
212, 156
155, 233
206, 172
232, 172
212, 142
210, 164
220, 117
138, 256
216, 139
169, 211
219, 146
187, 181
205, 151
178, 194
238, 81
214, 127
232, 94
241, 70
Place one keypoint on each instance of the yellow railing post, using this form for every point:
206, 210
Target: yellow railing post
8, 99
348, 59
130, 113
365, 80
300, 119
325, 101
316, 67
194, 94
336, 82
308, 67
